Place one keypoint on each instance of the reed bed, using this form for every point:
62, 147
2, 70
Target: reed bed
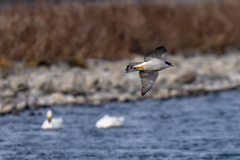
46, 33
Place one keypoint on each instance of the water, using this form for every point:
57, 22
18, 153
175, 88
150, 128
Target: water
190, 128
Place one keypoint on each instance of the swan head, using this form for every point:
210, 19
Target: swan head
49, 115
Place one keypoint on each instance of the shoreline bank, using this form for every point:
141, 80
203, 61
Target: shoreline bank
105, 81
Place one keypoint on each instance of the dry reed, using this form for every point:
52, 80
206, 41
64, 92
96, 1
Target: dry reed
73, 31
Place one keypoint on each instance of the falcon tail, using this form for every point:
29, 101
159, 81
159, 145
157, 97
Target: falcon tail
131, 68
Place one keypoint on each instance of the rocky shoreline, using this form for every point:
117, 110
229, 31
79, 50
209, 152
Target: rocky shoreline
105, 81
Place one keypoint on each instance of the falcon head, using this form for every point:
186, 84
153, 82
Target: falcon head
163, 49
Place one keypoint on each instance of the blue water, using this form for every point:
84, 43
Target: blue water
189, 128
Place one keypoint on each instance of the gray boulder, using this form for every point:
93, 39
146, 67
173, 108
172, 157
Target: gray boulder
18, 83
6, 107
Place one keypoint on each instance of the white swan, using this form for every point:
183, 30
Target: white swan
108, 121
52, 123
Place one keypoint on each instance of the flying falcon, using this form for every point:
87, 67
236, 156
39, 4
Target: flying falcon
148, 70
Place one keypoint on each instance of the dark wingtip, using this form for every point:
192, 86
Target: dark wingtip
161, 48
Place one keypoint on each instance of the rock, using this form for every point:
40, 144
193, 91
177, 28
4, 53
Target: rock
187, 77
91, 81
108, 97
39, 81
19, 83
70, 99
96, 63
96, 102
58, 98
3, 73
67, 84
5, 89
162, 93
32, 98
80, 100
102, 97
4, 83
7, 93
6, 107
191, 90
21, 105
95, 98
59, 68
175, 92
32, 101
45, 101
124, 97
35, 92
234, 76
63, 66
47, 88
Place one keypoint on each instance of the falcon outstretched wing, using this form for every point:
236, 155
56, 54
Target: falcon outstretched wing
157, 53
147, 80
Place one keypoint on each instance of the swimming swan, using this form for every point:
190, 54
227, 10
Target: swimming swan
108, 121
52, 123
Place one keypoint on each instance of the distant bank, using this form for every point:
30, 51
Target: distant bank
105, 81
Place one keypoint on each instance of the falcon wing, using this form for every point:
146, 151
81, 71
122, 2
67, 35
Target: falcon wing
147, 80
157, 53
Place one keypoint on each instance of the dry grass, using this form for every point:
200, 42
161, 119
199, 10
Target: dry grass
72, 31
4, 62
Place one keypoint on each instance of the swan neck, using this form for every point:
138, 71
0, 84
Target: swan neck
49, 119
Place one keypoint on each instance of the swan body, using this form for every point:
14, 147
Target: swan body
107, 122
52, 123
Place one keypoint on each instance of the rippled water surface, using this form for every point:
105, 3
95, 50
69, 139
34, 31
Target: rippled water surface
204, 127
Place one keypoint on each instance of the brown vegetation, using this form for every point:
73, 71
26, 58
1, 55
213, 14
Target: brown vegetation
73, 31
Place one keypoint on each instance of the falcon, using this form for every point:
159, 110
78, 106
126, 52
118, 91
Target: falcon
148, 70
